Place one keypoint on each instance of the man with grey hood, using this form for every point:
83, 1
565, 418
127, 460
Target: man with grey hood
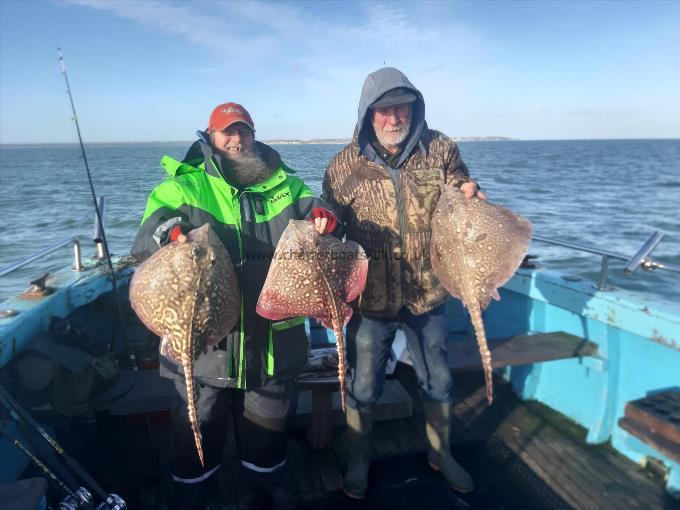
384, 186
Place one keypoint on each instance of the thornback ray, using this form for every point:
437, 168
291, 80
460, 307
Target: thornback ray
315, 275
475, 248
188, 294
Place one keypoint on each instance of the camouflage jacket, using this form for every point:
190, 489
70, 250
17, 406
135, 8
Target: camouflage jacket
390, 217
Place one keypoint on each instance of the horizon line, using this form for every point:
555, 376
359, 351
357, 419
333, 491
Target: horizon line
319, 141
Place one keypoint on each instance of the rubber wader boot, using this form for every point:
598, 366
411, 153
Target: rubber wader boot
438, 428
359, 426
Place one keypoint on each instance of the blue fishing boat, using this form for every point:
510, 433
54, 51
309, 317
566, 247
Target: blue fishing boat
587, 409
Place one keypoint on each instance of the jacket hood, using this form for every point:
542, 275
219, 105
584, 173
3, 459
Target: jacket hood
376, 84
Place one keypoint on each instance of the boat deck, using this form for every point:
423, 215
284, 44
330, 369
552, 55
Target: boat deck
521, 456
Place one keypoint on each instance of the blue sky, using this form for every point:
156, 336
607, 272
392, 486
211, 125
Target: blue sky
153, 70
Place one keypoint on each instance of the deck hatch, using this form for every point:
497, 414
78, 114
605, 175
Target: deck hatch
655, 420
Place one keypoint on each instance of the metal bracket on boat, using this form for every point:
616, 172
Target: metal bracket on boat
640, 259
595, 363
528, 262
38, 288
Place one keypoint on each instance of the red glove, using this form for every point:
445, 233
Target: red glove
320, 212
175, 232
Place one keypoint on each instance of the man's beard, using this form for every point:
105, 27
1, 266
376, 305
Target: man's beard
245, 169
393, 138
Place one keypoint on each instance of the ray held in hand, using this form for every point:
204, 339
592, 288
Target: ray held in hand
187, 294
476, 247
315, 276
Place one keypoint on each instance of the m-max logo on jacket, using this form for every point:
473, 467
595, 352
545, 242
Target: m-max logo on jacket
278, 197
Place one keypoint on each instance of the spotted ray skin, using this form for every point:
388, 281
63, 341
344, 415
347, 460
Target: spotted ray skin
187, 294
316, 276
476, 247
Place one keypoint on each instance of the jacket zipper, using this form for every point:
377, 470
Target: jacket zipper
400, 221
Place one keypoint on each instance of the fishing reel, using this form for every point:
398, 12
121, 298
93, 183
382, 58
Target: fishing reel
82, 500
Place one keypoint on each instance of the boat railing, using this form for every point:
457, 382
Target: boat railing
77, 262
641, 258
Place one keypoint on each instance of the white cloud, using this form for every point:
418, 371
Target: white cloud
322, 58
254, 28
185, 21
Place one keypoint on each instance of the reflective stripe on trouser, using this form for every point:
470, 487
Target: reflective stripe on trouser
261, 419
262, 427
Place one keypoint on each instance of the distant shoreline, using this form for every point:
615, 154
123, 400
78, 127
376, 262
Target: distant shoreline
328, 141
273, 141
345, 141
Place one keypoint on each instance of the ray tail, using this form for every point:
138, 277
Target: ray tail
339, 344
476, 317
342, 367
187, 363
339, 340
189, 354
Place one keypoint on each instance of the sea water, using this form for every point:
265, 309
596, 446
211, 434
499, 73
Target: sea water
608, 194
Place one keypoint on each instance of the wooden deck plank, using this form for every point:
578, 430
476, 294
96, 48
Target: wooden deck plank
328, 469
579, 473
304, 466
519, 350
386, 440
522, 441
299, 463
586, 476
556, 467
587, 480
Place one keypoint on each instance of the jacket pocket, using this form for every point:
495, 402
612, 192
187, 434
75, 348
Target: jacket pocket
288, 348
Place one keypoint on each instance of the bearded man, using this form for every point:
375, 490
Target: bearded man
244, 191
384, 187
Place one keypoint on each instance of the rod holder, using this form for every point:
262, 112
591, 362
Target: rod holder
77, 262
99, 228
601, 285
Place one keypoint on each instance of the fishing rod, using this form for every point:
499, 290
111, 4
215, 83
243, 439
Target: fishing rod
78, 499
114, 282
20, 415
62, 485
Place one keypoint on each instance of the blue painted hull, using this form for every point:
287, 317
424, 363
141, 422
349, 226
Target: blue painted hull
638, 342
639, 354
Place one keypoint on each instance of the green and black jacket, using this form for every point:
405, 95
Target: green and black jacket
249, 221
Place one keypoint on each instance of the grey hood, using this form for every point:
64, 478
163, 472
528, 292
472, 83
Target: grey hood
376, 84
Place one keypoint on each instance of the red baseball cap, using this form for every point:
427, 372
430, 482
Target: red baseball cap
226, 114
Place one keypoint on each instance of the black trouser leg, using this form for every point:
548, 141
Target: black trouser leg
262, 433
193, 483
